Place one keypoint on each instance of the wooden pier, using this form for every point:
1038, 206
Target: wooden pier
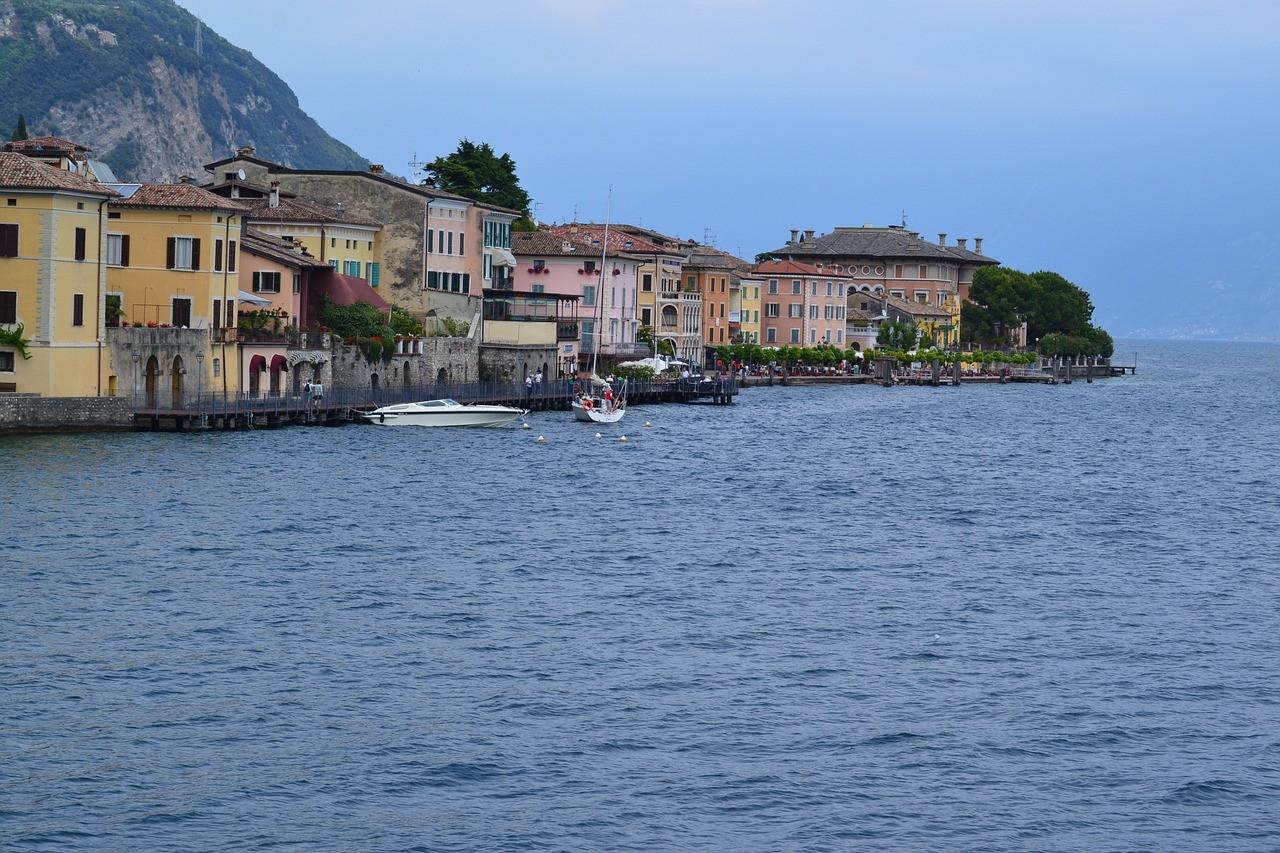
341, 406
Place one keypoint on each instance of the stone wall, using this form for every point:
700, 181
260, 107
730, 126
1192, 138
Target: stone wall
511, 364
441, 360
31, 413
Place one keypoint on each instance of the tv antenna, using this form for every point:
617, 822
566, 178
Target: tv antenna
904, 219
418, 167
199, 37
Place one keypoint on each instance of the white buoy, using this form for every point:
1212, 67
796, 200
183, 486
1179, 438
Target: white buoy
623, 438
598, 435
541, 440
646, 423
526, 426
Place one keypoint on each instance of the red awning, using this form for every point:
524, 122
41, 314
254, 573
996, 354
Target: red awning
257, 363
278, 363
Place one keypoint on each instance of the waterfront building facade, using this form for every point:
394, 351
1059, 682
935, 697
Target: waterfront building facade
52, 287
803, 305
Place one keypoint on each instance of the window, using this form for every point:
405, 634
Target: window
450, 252
897, 270
180, 313
8, 306
588, 295
588, 266
182, 253
814, 288
539, 288
795, 287
8, 240
646, 283
771, 336
431, 240
77, 309
433, 280
839, 336
795, 336
82, 241
7, 362
461, 240
217, 255
646, 316
922, 296
118, 250
266, 281
924, 272
231, 256
830, 289
795, 311
829, 312
297, 283
539, 265
771, 309
773, 285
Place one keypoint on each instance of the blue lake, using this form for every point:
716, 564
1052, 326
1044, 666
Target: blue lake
992, 618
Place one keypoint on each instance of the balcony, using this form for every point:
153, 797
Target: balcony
566, 331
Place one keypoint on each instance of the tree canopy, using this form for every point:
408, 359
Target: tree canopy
1001, 299
476, 172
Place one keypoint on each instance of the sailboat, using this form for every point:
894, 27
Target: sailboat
599, 403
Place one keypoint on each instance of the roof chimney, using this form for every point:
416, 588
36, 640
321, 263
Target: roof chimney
342, 213
942, 238
795, 232
246, 151
977, 245
375, 168
960, 241
808, 236
275, 195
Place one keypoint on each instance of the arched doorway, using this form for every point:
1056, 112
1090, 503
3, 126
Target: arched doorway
175, 388
257, 364
373, 380
405, 375
442, 375
152, 381
279, 366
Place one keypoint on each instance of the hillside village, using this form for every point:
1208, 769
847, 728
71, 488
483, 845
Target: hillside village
214, 283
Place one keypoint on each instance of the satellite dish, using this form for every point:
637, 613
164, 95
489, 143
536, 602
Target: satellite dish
240, 174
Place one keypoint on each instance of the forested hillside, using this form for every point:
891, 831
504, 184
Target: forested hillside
148, 88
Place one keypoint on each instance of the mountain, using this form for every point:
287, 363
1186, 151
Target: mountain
152, 91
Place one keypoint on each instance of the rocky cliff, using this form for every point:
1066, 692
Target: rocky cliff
152, 91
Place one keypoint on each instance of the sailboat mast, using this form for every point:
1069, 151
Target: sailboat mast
604, 257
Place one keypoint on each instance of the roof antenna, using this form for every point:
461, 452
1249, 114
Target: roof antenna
904, 219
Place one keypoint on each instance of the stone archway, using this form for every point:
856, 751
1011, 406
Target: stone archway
406, 374
175, 386
152, 379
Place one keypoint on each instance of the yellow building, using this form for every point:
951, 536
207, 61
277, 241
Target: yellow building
52, 224
171, 263
748, 308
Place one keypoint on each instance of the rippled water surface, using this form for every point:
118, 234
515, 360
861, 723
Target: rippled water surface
986, 618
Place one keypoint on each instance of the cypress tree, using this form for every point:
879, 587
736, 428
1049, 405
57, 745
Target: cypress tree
21, 131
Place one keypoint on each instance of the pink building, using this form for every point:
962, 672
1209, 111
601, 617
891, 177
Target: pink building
801, 305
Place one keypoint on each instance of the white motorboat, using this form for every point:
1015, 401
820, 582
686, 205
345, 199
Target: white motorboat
443, 413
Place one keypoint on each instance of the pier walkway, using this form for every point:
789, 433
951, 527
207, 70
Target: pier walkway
341, 406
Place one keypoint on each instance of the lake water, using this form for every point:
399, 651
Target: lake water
992, 618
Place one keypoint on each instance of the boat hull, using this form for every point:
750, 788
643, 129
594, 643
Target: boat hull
598, 412
443, 413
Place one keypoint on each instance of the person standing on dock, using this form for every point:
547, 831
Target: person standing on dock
537, 381
528, 386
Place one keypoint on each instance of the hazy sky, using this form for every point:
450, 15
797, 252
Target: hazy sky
1130, 146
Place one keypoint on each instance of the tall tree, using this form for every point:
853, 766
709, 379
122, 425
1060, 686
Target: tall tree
20, 132
476, 172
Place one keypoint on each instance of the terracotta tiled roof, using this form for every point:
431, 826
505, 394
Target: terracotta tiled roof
19, 171
277, 249
46, 143
187, 196
547, 244
294, 210
619, 241
795, 268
